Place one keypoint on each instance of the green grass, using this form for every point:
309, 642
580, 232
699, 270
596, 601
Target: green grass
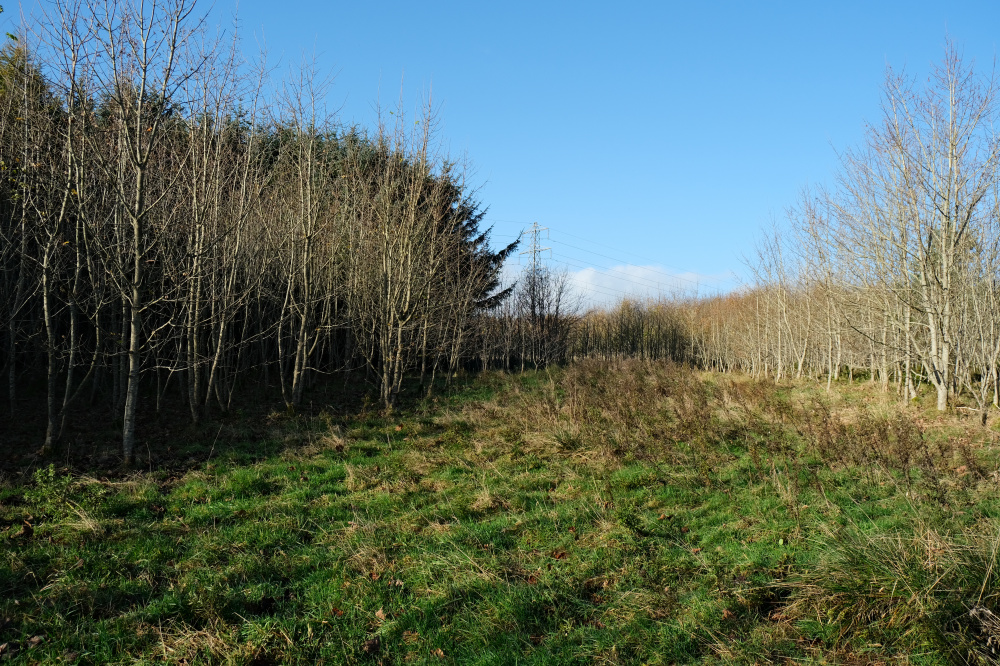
513, 521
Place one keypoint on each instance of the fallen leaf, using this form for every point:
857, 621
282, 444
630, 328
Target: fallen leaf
728, 614
336, 611
371, 646
35, 641
559, 554
376, 576
438, 653
380, 614
398, 428
696, 550
685, 529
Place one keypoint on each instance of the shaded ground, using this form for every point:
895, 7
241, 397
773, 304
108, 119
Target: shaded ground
168, 439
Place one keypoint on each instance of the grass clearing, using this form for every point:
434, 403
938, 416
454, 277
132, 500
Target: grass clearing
603, 513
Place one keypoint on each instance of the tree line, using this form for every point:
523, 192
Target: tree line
892, 273
172, 225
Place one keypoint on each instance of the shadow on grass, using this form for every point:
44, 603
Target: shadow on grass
256, 426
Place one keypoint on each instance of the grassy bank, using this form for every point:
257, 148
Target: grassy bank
604, 513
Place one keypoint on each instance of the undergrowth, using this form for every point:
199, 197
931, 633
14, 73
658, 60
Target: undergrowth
622, 512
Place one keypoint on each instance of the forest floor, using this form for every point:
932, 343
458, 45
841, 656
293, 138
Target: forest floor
602, 513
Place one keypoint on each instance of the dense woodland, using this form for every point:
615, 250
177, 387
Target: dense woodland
174, 224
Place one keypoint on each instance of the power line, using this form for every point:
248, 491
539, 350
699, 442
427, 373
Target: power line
649, 281
638, 256
668, 274
605, 287
578, 266
603, 290
645, 287
655, 270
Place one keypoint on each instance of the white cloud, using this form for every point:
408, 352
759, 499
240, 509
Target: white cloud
602, 287
597, 287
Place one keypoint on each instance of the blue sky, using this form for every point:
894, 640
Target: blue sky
651, 138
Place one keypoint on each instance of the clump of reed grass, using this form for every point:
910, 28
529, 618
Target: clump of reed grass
908, 586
